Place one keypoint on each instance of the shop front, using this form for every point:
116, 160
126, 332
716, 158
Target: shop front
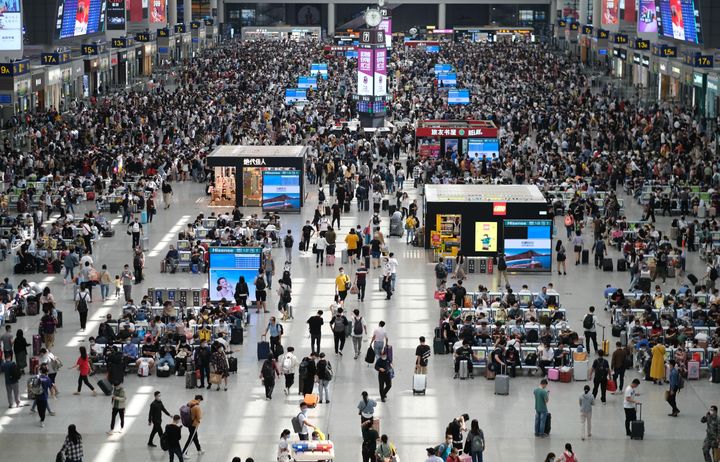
15, 88
477, 139
38, 97
699, 86
639, 68
145, 53
124, 71
211, 32
619, 63
183, 42
165, 46
271, 177
711, 95
57, 70
295, 33
73, 82
198, 38
488, 220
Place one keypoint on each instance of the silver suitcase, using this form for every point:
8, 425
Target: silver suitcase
419, 384
463, 370
502, 383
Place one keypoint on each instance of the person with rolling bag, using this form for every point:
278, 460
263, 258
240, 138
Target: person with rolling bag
634, 428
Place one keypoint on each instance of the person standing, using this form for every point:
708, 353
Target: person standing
12, 379
105, 281
307, 233
590, 329
385, 374
315, 324
325, 375
127, 280
167, 193
475, 442
135, 229
502, 270
366, 408
195, 419
568, 455
359, 328
675, 387
657, 366
586, 403
712, 432
283, 454
173, 436
83, 366
617, 364
422, 357
288, 365
72, 447
599, 251
288, 244
20, 346
629, 404
599, 373
157, 409
118, 407
542, 397
48, 325
392, 265
338, 324
81, 306
320, 246
7, 343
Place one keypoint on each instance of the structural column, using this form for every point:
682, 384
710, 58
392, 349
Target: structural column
172, 13
187, 11
220, 11
553, 13
331, 20
597, 14
583, 12
441, 16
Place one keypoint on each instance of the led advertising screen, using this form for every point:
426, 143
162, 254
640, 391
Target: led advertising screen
10, 25
486, 236
678, 19
528, 245
158, 11
76, 18
318, 68
386, 25
459, 97
647, 21
365, 72
442, 68
433, 48
448, 79
227, 265
281, 190
380, 72
307, 82
483, 147
610, 12
293, 95
116, 15
351, 54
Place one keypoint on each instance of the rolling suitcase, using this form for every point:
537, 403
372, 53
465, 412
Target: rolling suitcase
59, 318
32, 306
693, 279
607, 264
391, 209
585, 257
34, 364
438, 346
548, 423
236, 336
345, 259
637, 427
693, 370
36, 344
163, 371
263, 350
621, 264
385, 204
232, 364
553, 374
311, 400
330, 260
502, 383
105, 386
463, 369
580, 370
419, 384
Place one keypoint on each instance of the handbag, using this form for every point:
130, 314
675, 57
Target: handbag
314, 248
439, 295
215, 379
354, 290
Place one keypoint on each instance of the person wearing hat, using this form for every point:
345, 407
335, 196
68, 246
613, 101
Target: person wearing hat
431, 456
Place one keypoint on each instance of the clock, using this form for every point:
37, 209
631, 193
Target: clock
373, 18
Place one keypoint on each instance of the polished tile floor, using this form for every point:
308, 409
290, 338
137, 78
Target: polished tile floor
241, 422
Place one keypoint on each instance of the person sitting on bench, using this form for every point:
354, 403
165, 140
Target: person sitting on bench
171, 259
464, 353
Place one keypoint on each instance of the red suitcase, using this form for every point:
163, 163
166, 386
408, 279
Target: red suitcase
90, 195
36, 344
34, 364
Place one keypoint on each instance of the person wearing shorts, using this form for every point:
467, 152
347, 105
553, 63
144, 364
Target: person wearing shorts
260, 293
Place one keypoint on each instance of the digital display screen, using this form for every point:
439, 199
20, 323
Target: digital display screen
293, 95
227, 265
448, 79
10, 25
281, 190
319, 68
371, 107
442, 68
158, 11
459, 97
678, 19
433, 48
351, 54
483, 147
116, 15
307, 82
647, 22
528, 245
486, 236
76, 18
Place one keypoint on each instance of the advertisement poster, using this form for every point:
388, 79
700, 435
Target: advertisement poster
365, 72
479, 149
528, 245
10, 25
116, 15
227, 265
429, 150
380, 73
647, 22
157, 12
485, 236
629, 14
610, 12
451, 147
386, 25
281, 190
137, 10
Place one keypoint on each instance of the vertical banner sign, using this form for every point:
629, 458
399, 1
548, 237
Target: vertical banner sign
647, 22
365, 72
380, 72
610, 12
386, 25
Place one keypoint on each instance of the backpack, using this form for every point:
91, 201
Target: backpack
297, 428
440, 271
82, 304
339, 325
357, 326
285, 296
603, 369
287, 364
267, 370
288, 241
260, 284
15, 374
531, 359
186, 415
476, 444
164, 442
588, 322
328, 372
375, 220
532, 336
569, 220
35, 386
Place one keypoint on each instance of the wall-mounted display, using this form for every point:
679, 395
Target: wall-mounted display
10, 25
76, 18
678, 19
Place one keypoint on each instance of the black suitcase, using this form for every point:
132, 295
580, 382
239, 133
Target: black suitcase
114, 207
616, 330
105, 386
232, 364
190, 380
644, 285
637, 427
385, 204
163, 372
59, 318
622, 264
108, 233
346, 207
693, 279
585, 257
607, 264
548, 423
391, 209
236, 336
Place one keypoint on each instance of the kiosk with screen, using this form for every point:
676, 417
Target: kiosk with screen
281, 190
528, 245
455, 137
489, 148
227, 265
320, 69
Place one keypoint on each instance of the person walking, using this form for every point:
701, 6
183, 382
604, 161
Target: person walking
83, 366
359, 328
127, 280
283, 454
422, 357
307, 233
379, 339
288, 244
369, 442
157, 409
629, 404
41, 388
560, 257
385, 374
118, 408
288, 365
590, 329
502, 270
315, 324
542, 397
304, 434
366, 408
567, 455
173, 436
276, 331
320, 246
135, 229
339, 324
194, 419
599, 249
361, 280
599, 374
81, 306
105, 282
167, 193
475, 442
12, 382
138, 265
712, 432
20, 346
325, 375
676, 384
617, 364
7, 343
342, 284
268, 372
586, 401
72, 448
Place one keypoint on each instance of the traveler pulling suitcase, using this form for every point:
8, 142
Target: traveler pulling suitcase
502, 382
419, 384
105, 386
637, 427
263, 350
